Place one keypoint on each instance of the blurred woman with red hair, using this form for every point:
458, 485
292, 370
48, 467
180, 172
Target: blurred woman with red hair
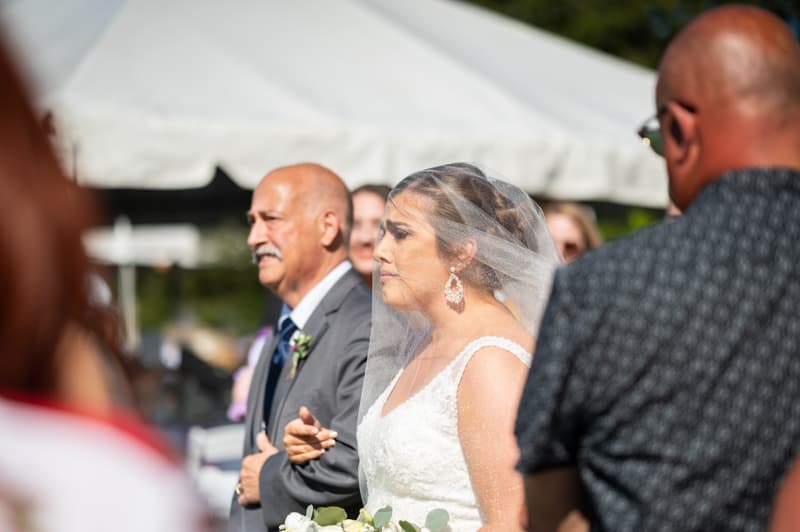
68, 460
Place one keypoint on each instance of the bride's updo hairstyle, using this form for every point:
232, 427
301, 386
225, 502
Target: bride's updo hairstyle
450, 189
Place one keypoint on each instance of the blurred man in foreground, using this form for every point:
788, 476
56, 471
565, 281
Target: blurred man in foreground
667, 372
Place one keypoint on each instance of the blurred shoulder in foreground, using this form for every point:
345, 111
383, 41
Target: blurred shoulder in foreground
68, 460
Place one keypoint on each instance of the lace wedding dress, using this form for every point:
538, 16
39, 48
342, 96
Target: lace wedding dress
412, 457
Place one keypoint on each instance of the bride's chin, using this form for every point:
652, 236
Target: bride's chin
396, 301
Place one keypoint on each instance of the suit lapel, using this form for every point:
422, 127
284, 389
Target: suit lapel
316, 327
256, 400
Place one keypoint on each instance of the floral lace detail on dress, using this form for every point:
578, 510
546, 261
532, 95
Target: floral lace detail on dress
412, 457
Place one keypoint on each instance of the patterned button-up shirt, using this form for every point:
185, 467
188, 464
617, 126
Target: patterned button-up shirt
667, 368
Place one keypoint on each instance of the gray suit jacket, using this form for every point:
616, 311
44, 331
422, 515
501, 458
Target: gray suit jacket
328, 381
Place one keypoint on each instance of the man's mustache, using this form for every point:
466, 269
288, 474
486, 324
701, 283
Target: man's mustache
265, 250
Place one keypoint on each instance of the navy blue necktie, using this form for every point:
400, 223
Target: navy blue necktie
285, 332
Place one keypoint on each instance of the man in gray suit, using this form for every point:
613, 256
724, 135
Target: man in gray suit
299, 222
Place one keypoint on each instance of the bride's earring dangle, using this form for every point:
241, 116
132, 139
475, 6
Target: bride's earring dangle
453, 289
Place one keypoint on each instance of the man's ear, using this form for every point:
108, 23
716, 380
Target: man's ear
330, 227
681, 135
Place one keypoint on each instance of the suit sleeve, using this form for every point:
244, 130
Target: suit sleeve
331, 480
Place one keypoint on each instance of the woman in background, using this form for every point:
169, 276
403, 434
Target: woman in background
574, 229
368, 204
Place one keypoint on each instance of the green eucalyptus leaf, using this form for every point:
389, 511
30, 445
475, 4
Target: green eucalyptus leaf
437, 520
408, 527
382, 516
329, 515
309, 511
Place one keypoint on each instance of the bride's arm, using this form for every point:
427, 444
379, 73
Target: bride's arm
488, 397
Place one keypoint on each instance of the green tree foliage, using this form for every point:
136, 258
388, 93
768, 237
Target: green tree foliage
224, 297
616, 221
636, 30
224, 293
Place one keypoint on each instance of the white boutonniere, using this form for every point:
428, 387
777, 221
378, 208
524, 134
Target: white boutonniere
298, 348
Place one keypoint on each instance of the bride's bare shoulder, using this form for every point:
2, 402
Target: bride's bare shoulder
502, 357
491, 383
512, 330
495, 367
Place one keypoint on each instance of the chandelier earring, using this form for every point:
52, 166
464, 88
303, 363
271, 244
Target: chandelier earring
453, 289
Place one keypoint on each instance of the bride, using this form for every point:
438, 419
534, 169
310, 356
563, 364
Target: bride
464, 264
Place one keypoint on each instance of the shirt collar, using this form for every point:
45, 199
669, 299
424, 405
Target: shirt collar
312, 299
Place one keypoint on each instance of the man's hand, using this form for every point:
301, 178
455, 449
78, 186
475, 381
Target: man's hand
305, 439
247, 488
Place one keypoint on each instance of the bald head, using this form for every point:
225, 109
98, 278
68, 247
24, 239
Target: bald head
735, 57
728, 98
317, 189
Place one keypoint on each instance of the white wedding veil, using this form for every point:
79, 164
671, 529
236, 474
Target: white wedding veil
511, 258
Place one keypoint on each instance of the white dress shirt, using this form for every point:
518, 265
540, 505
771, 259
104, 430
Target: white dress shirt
311, 300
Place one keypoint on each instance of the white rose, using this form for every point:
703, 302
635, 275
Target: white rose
329, 528
296, 522
351, 525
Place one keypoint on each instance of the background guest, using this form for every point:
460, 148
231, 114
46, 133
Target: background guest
368, 204
237, 410
573, 227
672, 211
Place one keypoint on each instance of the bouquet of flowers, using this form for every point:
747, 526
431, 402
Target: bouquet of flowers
334, 519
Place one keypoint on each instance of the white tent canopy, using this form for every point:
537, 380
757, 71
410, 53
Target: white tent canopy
156, 94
